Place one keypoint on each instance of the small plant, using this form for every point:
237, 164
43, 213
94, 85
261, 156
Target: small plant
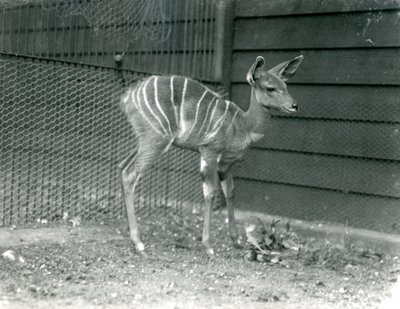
265, 243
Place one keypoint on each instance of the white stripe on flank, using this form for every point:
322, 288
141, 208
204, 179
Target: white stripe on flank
220, 122
205, 118
140, 109
146, 101
126, 97
136, 97
233, 119
197, 112
171, 87
182, 123
173, 101
211, 118
133, 94
158, 104
184, 90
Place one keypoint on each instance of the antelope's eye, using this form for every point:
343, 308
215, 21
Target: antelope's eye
269, 88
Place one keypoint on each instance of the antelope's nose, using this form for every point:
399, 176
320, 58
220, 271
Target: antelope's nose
295, 107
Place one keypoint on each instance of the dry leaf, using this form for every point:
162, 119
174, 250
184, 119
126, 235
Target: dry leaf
9, 255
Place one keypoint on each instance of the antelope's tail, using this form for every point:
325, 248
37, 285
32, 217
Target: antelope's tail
126, 96
119, 61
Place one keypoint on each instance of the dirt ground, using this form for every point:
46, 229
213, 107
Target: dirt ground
91, 266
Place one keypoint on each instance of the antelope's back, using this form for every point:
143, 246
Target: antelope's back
177, 108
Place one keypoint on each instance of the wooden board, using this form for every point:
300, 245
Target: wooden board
197, 38
345, 102
319, 171
363, 29
177, 11
352, 210
252, 8
378, 66
365, 140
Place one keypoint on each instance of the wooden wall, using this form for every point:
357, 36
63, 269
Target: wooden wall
181, 40
337, 159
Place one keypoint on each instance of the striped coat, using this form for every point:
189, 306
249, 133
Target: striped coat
185, 112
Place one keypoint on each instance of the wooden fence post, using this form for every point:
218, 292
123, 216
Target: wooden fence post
224, 42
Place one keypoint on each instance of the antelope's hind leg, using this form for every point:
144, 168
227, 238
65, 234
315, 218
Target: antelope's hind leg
226, 178
131, 170
209, 176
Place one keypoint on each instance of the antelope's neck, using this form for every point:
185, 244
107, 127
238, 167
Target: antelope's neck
256, 118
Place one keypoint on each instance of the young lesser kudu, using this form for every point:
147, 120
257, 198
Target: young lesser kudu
174, 110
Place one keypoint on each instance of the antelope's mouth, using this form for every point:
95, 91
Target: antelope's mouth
290, 110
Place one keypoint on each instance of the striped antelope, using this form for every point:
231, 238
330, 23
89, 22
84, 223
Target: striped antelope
174, 110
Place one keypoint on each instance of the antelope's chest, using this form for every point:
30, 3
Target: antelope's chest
255, 137
234, 151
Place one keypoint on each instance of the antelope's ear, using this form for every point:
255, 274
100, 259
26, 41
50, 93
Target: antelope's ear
286, 69
260, 62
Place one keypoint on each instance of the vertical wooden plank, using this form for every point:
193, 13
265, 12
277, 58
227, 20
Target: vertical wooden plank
10, 29
137, 54
185, 38
48, 31
25, 29
18, 30
88, 38
63, 36
32, 31
3, 29
168, 49
72, 38
41, 30
205, 35
173, 62
164, 25
224, 42
210, 75
195, 33
97, 49
82, 41
27, 48
104, 36
191, 66
156, 53
55, 32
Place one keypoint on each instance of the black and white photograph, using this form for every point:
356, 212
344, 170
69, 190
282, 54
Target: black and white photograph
200, 154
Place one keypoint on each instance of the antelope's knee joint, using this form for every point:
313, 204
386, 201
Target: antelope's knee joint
230, 195
124, 174
204, 170
209, 191
127, 178
221, 176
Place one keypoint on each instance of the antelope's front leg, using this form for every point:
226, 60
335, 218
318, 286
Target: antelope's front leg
228, 186
129, 181
209, 175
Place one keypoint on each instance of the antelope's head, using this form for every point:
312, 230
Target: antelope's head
269, 87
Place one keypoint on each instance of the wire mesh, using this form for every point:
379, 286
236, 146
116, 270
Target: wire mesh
168, 36
124, 19
62, 136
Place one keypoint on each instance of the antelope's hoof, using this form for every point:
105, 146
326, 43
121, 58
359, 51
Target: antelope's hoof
210, 251
236, 243
139, 247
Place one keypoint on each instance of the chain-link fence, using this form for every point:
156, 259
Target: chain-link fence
169, 36
62, 137
62, 133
